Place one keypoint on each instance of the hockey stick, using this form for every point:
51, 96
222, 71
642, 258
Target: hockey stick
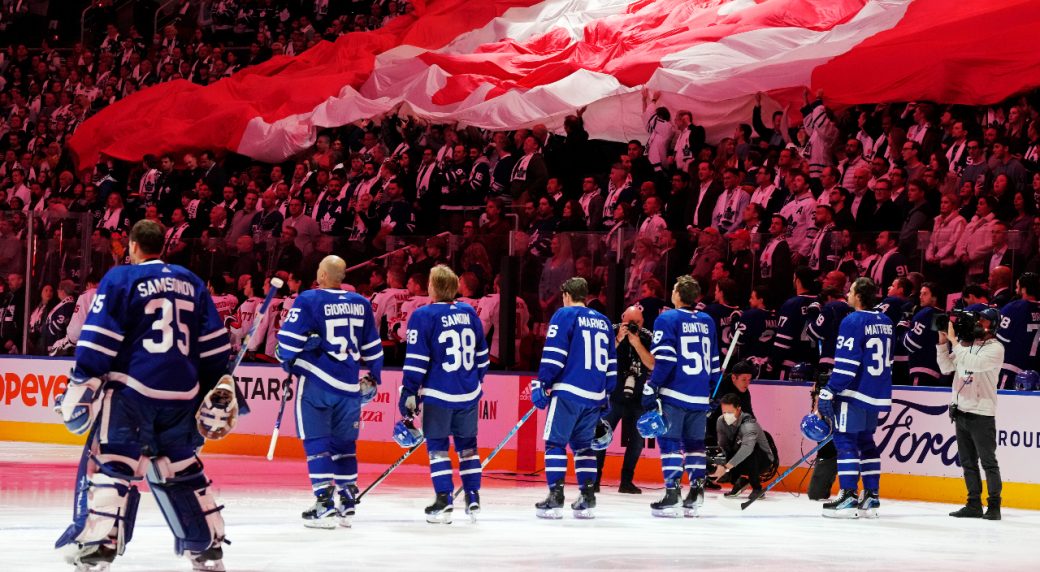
495, 451
278, 420
725, 362
777, 480
391, 468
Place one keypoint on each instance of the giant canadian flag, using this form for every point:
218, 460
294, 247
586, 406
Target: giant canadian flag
504, 64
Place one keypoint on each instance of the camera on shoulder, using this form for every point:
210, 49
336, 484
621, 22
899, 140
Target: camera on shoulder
965, 324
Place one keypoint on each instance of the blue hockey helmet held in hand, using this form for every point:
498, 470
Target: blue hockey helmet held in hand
652, 424
814, 428
604, 435
406, 434
1027, 380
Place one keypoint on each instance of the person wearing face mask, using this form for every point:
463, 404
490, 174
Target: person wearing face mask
748, 454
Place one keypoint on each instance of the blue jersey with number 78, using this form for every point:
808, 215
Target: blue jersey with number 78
579, 360
862, 371
686, 358
347, 329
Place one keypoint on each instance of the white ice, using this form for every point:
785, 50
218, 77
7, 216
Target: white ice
263, 500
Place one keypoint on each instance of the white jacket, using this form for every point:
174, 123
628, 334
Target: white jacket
977, 243
946, 234
977, 370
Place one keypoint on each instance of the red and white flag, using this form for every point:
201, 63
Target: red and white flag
504, 64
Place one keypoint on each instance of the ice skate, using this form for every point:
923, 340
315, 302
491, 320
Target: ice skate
210, 560
694, 499
440, 511
670, 506
552, 506
323, 513
92, 558
347, 502
845, 506
868, 505
473, 504
585, 506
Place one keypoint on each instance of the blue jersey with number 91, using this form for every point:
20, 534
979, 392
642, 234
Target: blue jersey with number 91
153, 329
579, 360
344, 322
863, 361
686, 358
447, 354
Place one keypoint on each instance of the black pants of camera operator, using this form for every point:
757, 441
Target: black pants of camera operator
752, 468
977, 440
630, 439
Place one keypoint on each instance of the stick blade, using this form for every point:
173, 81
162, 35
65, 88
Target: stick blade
746, 504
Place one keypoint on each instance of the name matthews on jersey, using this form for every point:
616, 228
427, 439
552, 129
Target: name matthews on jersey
877, 329
155, 286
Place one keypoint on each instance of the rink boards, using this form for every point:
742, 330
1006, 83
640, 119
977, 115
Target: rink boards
916, 439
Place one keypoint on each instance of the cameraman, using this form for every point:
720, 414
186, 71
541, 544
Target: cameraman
975, 359
634, 363
746, 447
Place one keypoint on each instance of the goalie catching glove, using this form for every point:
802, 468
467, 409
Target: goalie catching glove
78, 406
218, 413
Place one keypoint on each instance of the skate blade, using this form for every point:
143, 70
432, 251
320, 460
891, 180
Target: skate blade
321, 523
692, 512
673, 512
208, 566
841, 514
473, 513
99, 567
346, 521
443, 518
584, 514
549, 514
867, 513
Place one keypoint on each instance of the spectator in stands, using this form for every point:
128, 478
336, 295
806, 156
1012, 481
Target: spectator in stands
976, 242
558, 268
947, 228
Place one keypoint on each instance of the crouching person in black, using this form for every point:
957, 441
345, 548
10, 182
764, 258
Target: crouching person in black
746, 447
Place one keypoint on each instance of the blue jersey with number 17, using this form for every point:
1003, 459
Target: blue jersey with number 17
447, 354
579, 361
686, 358
347, 329
862, 371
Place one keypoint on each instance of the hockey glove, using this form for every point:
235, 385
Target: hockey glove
408, 403
825, 405
218, 413
649, 400
312, 343
369, 386
539, 398
79, 404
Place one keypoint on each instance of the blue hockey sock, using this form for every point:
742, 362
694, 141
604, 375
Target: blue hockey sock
870, 462
440, 472
321, 471
469, 465
848, 461
344, 457
695, 459
555, 463
671, 461
585, 466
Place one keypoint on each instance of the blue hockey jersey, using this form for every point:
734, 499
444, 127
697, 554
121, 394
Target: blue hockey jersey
447, 354
344, 322
757, 330
863, 361
1019, 331
824, 329
153, 328
686, 358
920, 342
579, 361
792, 336
899, 311
725, 318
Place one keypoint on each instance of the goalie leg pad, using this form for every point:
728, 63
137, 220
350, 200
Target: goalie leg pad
111, 502
182, 491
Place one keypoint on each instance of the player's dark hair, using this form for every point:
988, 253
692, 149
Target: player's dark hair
866, 290
934, 288
906, 285
828, 294
149, 236
688, 289
577, 288
1030, 282
728, 288
744, 367
763, 293
731, 399
976, 290
807, 278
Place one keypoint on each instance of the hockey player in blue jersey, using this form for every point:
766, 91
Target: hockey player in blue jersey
324, 338
686, 362
859, 388
577, 374
757, 327
1020, 331
792, 344
824, 328
444, 367
920, 339
151, 350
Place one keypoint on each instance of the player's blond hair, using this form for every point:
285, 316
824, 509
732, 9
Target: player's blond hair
444, 284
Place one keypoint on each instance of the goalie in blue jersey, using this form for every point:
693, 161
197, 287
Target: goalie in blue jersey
860, 387
576, 376
152, 348
444, 367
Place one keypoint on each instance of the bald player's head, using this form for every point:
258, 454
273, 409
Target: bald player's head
331, 271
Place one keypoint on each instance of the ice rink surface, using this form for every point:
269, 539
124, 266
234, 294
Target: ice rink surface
264, 500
